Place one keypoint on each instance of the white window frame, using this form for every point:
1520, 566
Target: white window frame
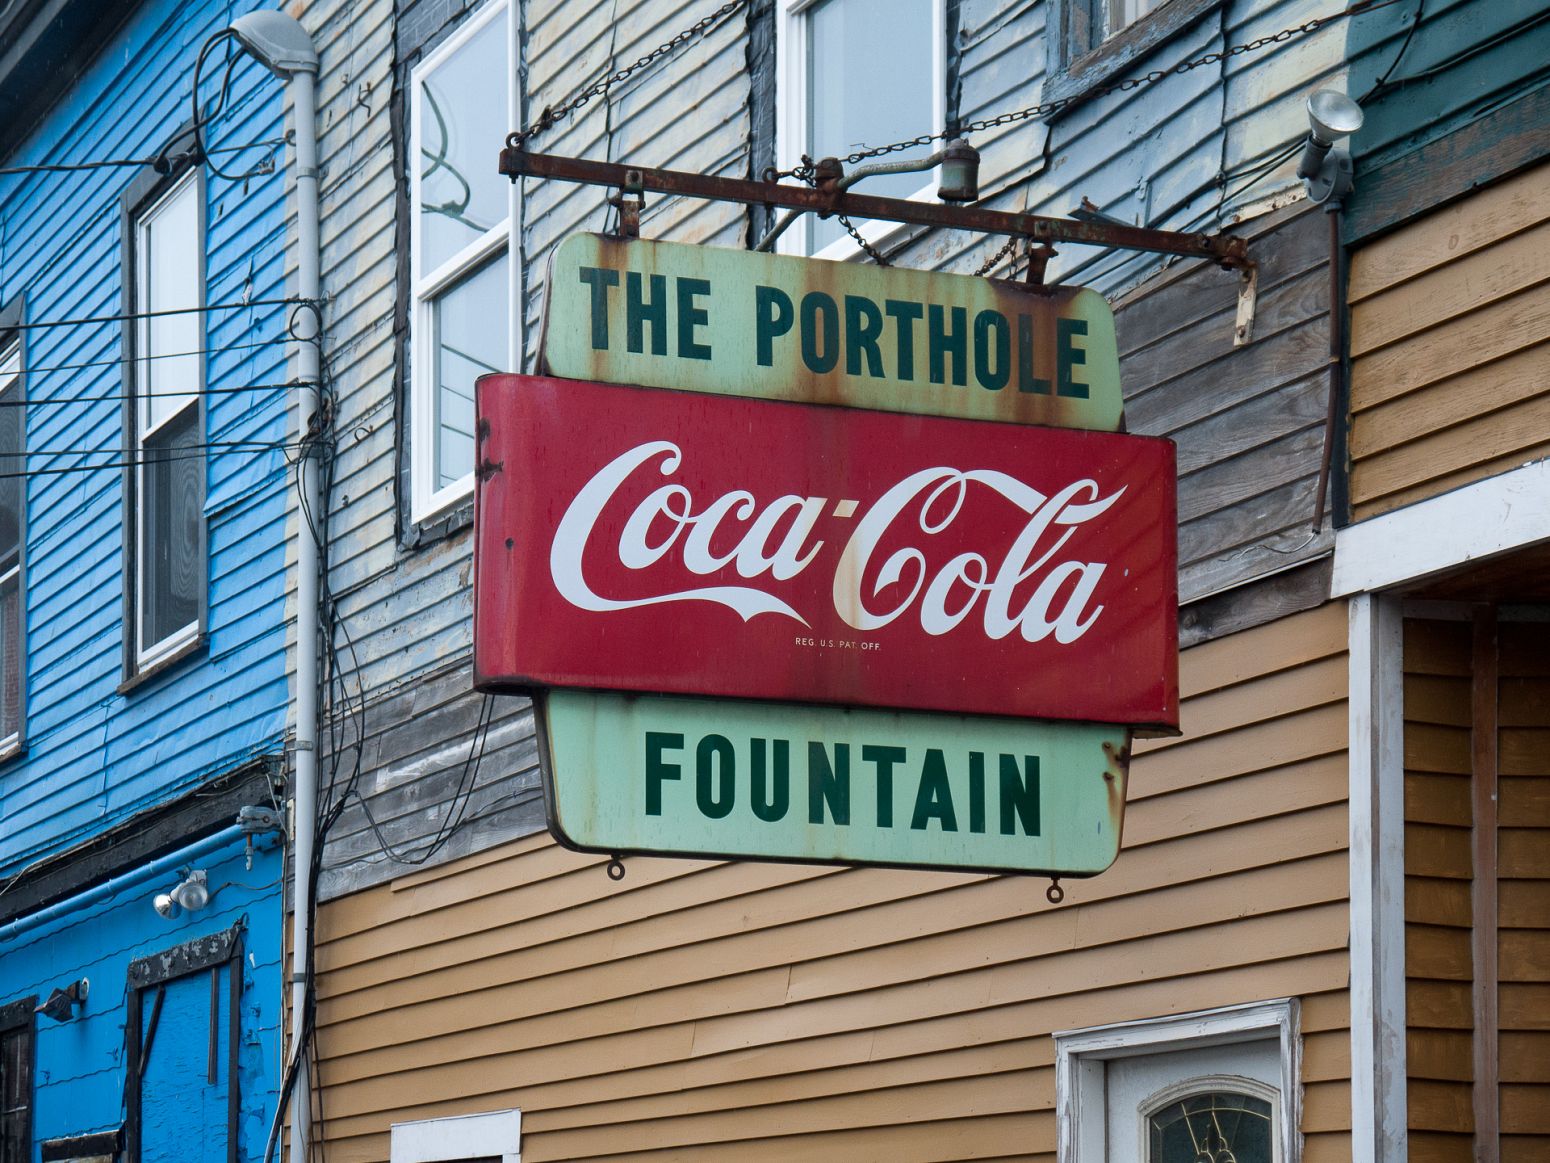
1081, 1090
11, 381
148, 655
490, 1135
792, 121
427, 500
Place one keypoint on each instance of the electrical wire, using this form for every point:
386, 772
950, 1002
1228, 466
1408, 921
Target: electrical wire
202, 120
208, 445
128, 398
255, 446
133, 162
1420, 13
130, 316
122, 359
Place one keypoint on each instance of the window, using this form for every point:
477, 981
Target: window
1094, 42
1105, 18
13, 491
492, 1137
855, 73
1206, 1087
167, 476
16, 1036
462, 106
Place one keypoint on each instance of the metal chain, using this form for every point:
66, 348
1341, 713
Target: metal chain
872, 252
1129, 83
990, 263
550, 115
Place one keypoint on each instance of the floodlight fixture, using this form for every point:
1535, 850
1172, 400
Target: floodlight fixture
1324, 169
192, 893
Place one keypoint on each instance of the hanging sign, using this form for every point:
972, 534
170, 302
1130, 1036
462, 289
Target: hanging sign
656, 541
735, 322
726, 779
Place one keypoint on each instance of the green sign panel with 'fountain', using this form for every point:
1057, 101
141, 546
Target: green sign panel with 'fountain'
725, 778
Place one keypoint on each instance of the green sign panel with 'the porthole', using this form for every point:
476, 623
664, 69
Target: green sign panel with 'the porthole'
722, 778
735, 322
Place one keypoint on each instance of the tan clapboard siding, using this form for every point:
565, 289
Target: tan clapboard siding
1450, 347
1438, 873
766, 1012
1523, 871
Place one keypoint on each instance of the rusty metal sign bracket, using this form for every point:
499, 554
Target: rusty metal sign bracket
1248, 302
629, 202
1224, 249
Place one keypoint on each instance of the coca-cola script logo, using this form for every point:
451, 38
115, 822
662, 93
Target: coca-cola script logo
665, 542
777, 540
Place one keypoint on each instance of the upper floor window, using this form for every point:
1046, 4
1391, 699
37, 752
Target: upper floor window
855, 73
461, 108
167, 474
13, 490
1096, 42
1107, 17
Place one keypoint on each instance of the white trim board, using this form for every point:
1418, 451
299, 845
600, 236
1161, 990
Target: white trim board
1379, 1120
492, 1134
1501, 513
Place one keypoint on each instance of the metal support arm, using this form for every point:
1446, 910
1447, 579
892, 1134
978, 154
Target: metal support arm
1224, 249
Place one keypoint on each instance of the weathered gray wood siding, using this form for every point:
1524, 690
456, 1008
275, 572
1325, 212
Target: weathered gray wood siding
433, 781
401, 633
1249, 421
1190, 152
688, 111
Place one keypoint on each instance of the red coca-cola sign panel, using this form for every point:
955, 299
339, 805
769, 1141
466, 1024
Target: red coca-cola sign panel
650, 540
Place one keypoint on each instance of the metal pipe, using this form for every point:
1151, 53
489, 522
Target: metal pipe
279, 42
309, 423
909, 166
1336, 359
162, 864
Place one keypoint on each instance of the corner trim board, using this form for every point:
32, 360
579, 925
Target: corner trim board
1379, 1130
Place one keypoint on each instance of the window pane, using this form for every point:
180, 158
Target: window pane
11, 464
470, 324
168, 258
10, 656
1221, 1127
870, 74
1126, 12
171, 488
462, 111
12, 492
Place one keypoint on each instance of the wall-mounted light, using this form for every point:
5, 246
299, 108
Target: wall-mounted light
1325, 169
191, 893
62, 1002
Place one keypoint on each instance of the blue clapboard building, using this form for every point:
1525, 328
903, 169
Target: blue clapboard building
144, 506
